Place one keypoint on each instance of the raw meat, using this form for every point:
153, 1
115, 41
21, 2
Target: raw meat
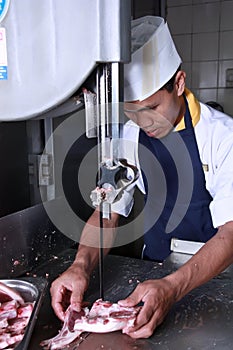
103, 317
7, 293
8, 309
67, 334
107, 317
8, 339
14, 316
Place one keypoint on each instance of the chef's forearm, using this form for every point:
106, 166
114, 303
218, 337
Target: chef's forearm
214, 257
88, 250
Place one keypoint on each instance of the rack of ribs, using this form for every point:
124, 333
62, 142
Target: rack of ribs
103, 317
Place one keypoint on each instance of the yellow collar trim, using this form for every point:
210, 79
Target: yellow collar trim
194, 108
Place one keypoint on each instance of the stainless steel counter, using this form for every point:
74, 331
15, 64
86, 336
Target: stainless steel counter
27, 239
201, 320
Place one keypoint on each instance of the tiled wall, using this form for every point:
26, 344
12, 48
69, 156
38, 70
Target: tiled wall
203, 33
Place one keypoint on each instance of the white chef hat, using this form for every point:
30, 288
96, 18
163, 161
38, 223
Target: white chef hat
154, 58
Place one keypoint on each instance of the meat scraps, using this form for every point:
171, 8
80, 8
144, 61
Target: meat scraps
103, 317
7, 293
14, 316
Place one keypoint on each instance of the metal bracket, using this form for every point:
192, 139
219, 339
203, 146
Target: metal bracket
46, 177
114, 179
185, 247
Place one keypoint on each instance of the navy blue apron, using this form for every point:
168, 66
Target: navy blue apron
196, 224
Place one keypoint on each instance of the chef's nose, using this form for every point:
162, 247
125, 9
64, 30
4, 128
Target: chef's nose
138, 118
143, 122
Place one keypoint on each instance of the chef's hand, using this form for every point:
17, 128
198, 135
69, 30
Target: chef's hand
68, 289
157, 297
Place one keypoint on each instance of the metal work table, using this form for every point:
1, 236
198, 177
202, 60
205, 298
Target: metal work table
201, 320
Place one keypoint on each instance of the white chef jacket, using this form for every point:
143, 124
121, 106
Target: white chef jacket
214, 135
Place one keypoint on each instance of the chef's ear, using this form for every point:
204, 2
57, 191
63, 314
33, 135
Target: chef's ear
180, 82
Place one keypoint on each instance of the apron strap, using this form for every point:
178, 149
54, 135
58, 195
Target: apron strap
187, 117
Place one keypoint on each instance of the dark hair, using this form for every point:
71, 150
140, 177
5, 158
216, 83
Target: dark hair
170, 84
215, 105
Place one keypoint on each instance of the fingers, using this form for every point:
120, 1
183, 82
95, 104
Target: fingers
143, 326
147, 321
144, 316
157, 300
64, 294
68, 289
144, 330
61, 298
76, 298
133, 299
57, 292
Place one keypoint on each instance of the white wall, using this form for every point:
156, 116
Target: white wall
203, 33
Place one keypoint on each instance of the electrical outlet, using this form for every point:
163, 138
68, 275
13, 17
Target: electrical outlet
229, 77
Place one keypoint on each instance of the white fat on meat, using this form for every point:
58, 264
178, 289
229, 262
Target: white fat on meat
103, 317
106, 317
11, 293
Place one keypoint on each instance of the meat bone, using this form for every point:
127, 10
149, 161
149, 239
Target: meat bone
12, 293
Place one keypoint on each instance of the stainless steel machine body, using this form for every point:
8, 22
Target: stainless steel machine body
51, 47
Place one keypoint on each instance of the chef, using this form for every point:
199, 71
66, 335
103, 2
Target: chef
184, 152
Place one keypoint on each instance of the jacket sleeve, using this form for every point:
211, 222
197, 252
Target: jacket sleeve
214, 135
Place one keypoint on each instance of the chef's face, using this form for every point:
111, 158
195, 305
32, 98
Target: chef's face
159, 114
